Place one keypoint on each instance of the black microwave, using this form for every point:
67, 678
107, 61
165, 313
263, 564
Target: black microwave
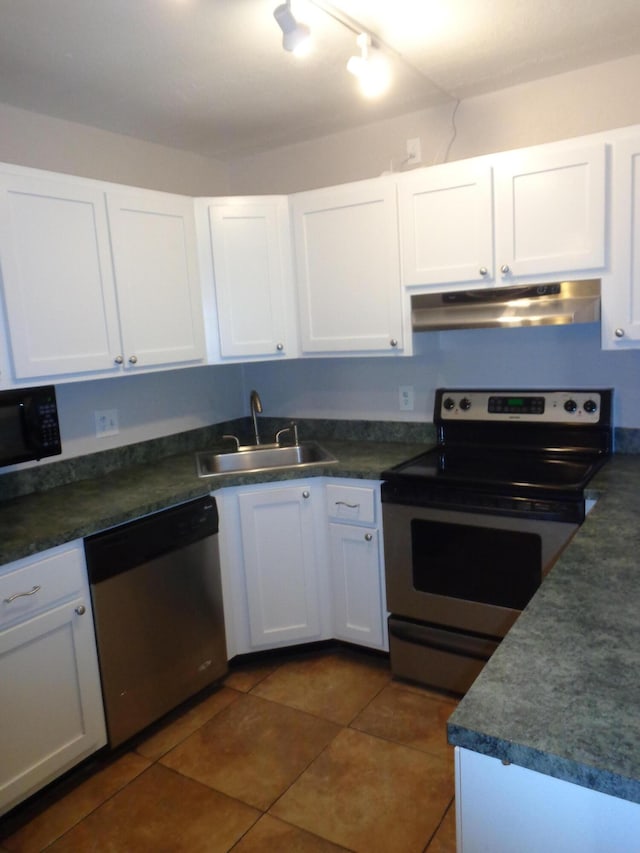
29, 426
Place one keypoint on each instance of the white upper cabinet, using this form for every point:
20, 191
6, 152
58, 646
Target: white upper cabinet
446, 224
347, 268
57, 277
156, 274
96, 281
621, 293
246, 250
491, 221
550, 211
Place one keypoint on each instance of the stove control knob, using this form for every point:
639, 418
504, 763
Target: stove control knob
571, 406
590, 406
465, 404
448, 403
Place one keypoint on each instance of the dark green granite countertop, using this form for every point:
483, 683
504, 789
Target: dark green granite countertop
42, 520
562, 693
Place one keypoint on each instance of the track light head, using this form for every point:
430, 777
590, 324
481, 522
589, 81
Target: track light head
295, 36
370, 68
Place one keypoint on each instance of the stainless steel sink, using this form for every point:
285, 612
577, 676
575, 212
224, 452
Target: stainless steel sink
263, 457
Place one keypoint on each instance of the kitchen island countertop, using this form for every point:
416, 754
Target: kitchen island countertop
561, 695
45, 519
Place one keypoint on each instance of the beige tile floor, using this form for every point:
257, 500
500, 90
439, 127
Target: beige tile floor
310, 753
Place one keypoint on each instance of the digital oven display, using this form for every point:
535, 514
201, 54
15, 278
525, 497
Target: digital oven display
516, 405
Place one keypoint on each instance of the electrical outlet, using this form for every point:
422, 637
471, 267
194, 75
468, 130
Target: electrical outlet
414, 151
106, 422
407, 398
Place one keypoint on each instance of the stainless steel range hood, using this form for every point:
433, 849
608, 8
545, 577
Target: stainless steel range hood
554, 304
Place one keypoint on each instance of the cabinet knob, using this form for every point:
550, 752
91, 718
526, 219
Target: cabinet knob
483, 271
280, 347
133, 359
619, 333
306, 494
81, 610
118, 359
393, 342
368, 537
505, 268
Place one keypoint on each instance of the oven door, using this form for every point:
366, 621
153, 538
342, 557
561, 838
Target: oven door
465, 571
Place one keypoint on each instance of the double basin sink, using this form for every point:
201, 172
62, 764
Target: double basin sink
251, 459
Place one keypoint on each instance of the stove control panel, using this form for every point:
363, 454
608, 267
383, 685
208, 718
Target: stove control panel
557, 407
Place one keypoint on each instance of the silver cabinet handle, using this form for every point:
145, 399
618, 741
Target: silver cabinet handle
483, 271
344, 503
118, 359
306, 494
393, 342
133, 359
280, 347
619, 333
368, 537
81, 610
21, 594
505, 268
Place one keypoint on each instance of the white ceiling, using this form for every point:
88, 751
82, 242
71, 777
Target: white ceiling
210, 76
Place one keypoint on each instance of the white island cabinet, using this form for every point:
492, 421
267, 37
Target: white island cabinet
504, 808
272, 549
97, 279
348, 269
51, 714
246, 266
524, 215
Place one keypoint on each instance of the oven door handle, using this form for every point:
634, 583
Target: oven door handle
473, 646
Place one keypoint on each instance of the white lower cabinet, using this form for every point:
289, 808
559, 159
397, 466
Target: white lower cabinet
506, 808
301, 562
51, 714
273, 558
356, 564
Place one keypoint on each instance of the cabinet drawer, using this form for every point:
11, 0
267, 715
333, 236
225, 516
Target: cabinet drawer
351, 503
40, 582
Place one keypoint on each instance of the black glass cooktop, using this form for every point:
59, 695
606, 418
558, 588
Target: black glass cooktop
501, 469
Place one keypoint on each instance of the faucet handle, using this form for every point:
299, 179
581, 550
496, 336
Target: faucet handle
292, 428
233, 438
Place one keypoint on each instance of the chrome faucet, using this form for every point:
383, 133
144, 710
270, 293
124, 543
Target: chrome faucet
255, 404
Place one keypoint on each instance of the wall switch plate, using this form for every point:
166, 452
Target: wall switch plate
106, 422
407, 398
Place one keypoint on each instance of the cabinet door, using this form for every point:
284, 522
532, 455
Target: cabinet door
348, 274
621, 293
550, 211
279, 547
57, 277
51, 708
446, 224
155, 262
251, 248
356, 585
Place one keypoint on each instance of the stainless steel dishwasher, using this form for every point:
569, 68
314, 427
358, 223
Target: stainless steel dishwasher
157, 604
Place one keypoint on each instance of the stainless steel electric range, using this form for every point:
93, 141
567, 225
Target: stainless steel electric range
472, 526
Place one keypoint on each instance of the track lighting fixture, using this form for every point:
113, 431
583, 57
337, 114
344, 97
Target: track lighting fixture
295, 36
370, 68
